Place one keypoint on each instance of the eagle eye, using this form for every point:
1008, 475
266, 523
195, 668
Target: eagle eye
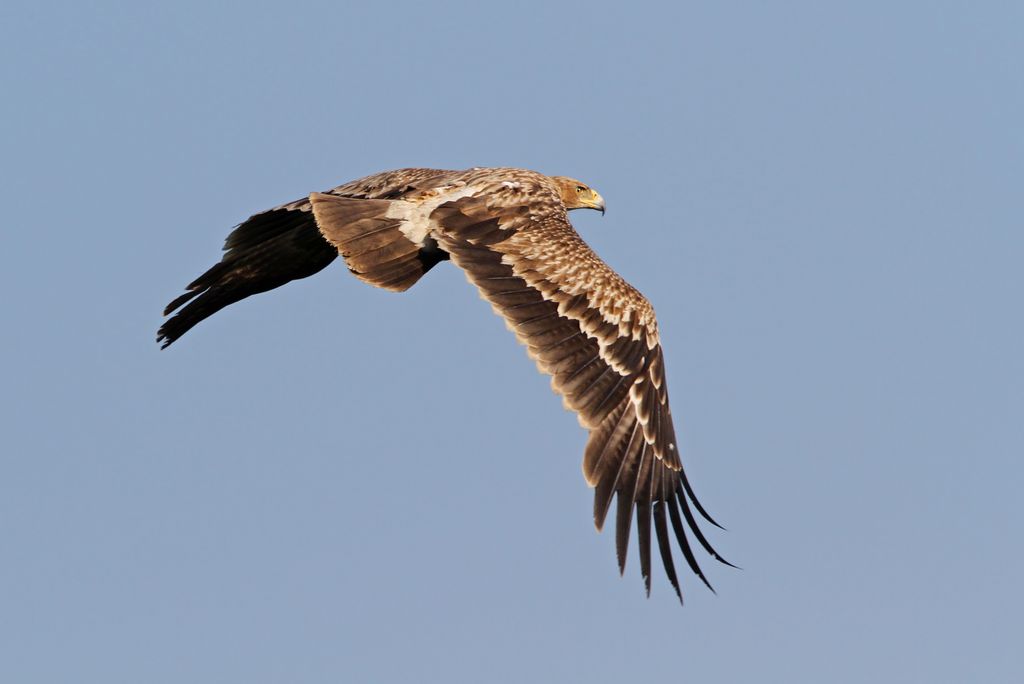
580, 188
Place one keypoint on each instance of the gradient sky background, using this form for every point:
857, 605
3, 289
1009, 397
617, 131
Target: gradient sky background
334, 483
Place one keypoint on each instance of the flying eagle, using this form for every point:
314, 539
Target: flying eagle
509, 230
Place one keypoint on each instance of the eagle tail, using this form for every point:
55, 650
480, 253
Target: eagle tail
372, 242
265, 252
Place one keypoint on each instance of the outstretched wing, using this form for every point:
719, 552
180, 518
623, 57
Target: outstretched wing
277, 246
597, 337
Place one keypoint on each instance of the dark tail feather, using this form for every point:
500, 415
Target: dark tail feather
265, 252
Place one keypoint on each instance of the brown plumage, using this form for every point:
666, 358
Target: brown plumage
508, 229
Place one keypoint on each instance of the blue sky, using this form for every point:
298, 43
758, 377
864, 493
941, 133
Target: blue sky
335, 483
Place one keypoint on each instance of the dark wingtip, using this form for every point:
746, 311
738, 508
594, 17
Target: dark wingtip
165, 336
665, 547
681, 496
684, 545
706, 583
718, 557
621, 546
696, 502
181, 299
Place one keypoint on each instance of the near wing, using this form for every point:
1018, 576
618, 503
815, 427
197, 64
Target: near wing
597, 337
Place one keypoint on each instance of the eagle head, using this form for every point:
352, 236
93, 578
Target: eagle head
577, 195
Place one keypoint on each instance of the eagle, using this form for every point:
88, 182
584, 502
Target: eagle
508, 230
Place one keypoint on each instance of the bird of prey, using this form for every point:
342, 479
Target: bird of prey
509, 230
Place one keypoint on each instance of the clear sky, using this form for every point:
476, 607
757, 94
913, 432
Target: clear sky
333, 483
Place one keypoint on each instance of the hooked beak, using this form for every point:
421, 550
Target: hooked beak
597, 203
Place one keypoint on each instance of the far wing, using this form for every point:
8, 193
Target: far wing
274, 247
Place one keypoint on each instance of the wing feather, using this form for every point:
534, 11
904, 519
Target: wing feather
645, 483
626, 497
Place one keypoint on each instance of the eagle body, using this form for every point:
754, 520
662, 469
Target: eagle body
508, 230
